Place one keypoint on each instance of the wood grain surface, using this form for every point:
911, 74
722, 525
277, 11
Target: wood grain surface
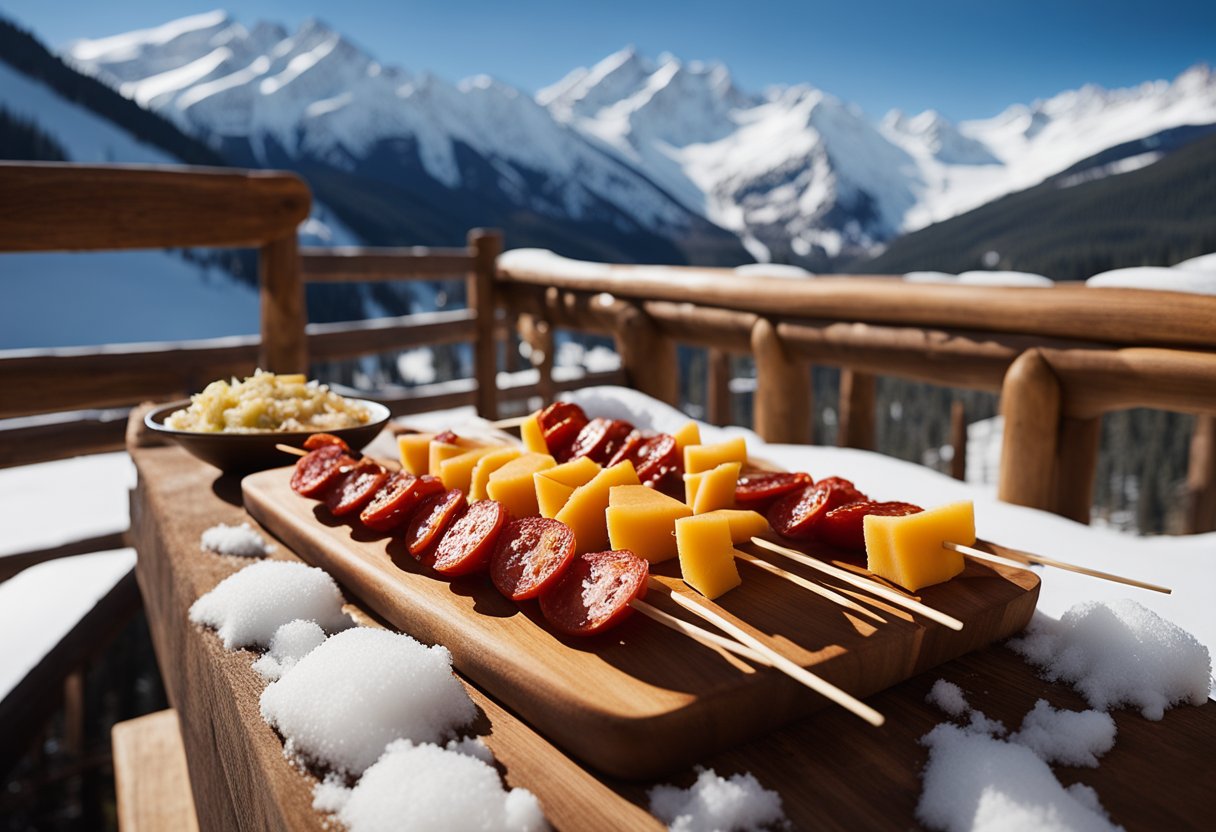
151, 782
641, 701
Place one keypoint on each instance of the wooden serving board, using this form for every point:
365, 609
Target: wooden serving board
640, 701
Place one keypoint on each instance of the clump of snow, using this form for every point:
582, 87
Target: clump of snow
948, 697
360, 690
980, 723
1072, 738
247, 607
426, 787
777, 270
1177, 279
1202, 263
929, 277
331, 794
290, 643
473, 746
974, 783
717, 803
1004, 278
1119, 653
243, 541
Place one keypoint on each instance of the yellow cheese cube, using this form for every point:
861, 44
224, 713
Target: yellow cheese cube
439, 452
415, 451
644, 521
712, 489
707, 558
486, 465
690, 434
457, 471
555, 485
533, 437
698, 458
584, 511
744, 524
908, 550
512, 486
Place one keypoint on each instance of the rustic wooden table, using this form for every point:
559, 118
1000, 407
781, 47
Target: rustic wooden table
832, 770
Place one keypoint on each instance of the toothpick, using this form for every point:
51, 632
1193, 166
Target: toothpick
834, 597
288, 449
1019, 559
513, 422
698, 633
868, 585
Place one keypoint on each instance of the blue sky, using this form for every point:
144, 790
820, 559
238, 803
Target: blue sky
966, 59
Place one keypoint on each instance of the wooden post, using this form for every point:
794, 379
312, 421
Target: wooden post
486, 245
717, 387
536, 332
73, 714
1201, 477
648, 358
284, 348
857, 394
958, 440
1030, 400
1076, 463
783, 389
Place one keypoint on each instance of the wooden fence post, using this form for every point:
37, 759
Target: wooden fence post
1076, 463
958, 440
648, 358
486, 245
717, 387
783, 389
1201, 477
1031, 402
537, 333
857, 393
284, 348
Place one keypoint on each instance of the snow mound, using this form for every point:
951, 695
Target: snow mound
242, 541
948, 697
772, 270
1202, 263
930, 277
1015, 279
290, 643
426, 787
1119, 653
247, 607
717, 803
1072, 738
1177, 279
360, 690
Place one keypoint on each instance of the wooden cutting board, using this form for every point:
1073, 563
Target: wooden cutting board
641, 701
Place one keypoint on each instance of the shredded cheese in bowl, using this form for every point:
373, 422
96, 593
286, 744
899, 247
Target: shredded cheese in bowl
267, 403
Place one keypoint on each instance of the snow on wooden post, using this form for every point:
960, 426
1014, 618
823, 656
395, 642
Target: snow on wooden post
485, 245
284, 347
857, 390
782, 405
647, 357
1031, 401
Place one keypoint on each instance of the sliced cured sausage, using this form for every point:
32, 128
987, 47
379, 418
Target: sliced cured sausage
797, 514
320, 440
758, 490
594, 592
531, 554
600, 439
397, 499
468, 543
432, 519
844, 527
317, 470
560, 423
355, 487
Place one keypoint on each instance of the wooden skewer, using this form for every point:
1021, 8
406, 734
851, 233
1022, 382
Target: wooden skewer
1018, 558
288, 449
513, 422
864, 583
698, 633
834, 597
780, 662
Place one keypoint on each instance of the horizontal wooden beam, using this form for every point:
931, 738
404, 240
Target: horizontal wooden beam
350, 339
1094, 382
351, 264
69, 207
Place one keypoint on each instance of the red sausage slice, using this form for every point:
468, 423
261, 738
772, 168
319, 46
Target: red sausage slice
594, 592
759, 490
432, 520
600, 439
318, 470
355, 487
320, 440
844, 527
798, 513
395, 502
532, 553
560, 423
466, 546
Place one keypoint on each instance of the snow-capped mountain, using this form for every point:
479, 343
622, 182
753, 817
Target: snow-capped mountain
617, 160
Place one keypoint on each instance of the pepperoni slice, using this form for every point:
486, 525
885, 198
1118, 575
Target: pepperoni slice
658, 461
320, 440
395, 502
446, 438
560, 423
467, 545
317, 470
758, 490
600, 439
594, 592
432, 519
798, 513
532, 553
844, 527
355, 487
628, 449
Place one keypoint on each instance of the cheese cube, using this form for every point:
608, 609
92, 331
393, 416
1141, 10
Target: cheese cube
690, 434
707, 558
415, 451
644, 521
555, 485
698, 458
486, 465
713, 489
584, 511
744, 524
512, 486
533, 437
439, 453
908, 550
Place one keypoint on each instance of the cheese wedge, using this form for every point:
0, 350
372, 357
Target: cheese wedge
441, 452
690, 434
531, 434
707, 558
713, 489
555, 485
512, 486
584, 511
698, 458
486, 465
908, 550
415, 450
744, 524
457, 471
644, 521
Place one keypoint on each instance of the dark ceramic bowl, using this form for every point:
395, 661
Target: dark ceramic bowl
242, 453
